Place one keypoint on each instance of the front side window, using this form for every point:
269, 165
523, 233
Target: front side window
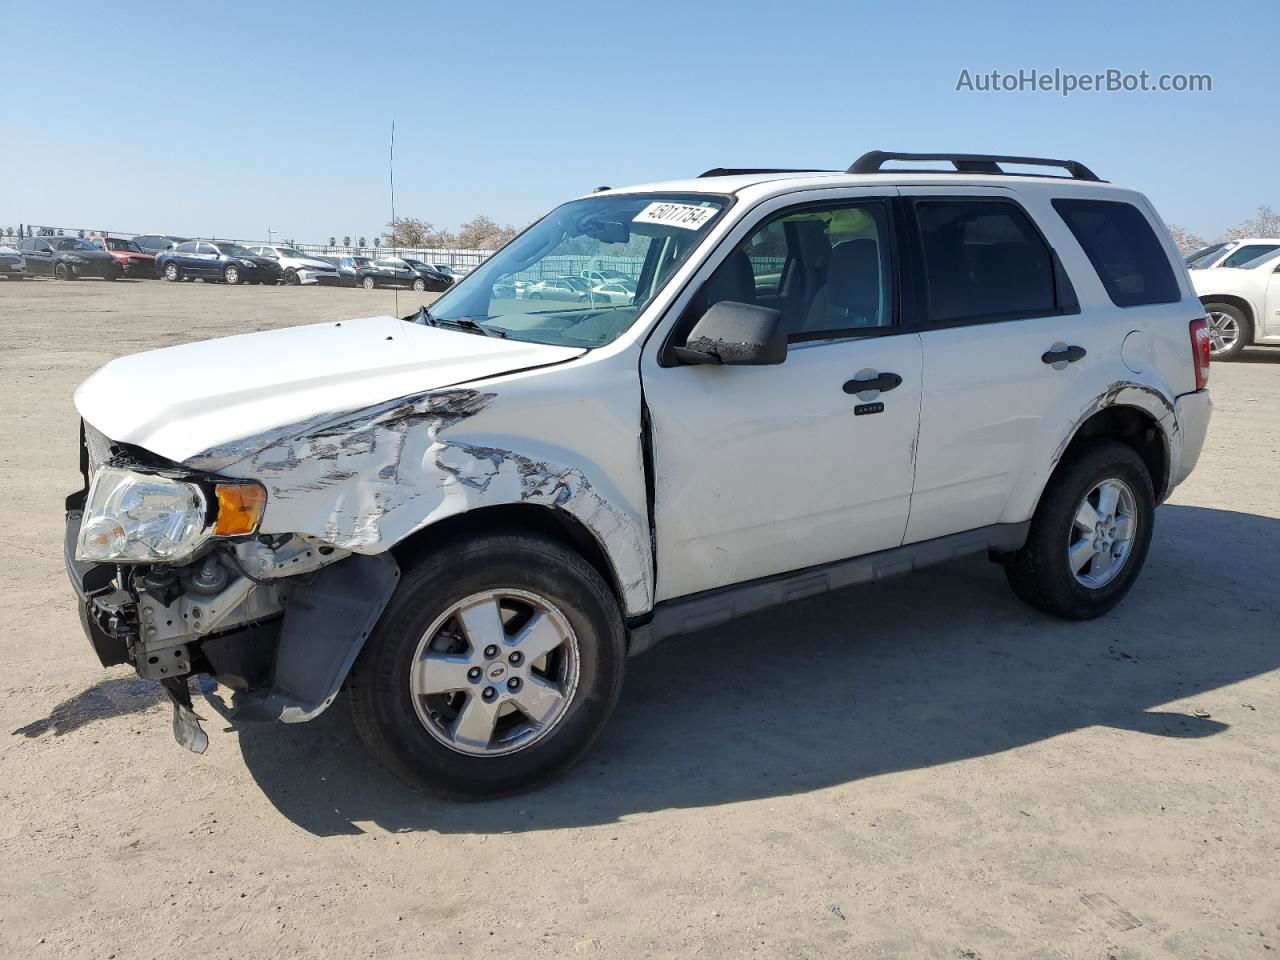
645, 235
984, 261
75, 245
828, 269
1122, 247
1246, 255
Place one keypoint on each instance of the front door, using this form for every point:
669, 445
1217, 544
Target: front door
764, 470
1271, 323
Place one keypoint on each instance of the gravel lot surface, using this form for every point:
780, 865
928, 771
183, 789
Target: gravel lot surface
923, 768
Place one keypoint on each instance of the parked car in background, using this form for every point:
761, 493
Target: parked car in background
68, 258
402, 272
349, 268
595, 277
572, 289
1241, 300
13, 266
447, 270
157, 243
219, 261
436, 280
613, 292
298, 267
1232, 253
129, 255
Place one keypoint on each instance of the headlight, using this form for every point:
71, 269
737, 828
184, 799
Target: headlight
75, 259
248, 263
141, 518
134, 517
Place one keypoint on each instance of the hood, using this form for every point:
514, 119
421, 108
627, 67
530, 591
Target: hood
192, 399
131, 255
262, 262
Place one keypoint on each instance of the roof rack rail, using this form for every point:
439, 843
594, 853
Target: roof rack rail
971, 163
745, 171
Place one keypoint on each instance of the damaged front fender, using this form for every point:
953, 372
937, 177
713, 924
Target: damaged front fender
364, 481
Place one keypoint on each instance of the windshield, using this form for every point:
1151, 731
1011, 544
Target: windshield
1201, 258
114, 243
644, 237
290, 252
74, 245
233, 250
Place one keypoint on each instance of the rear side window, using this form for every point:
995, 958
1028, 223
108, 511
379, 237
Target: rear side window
1123, 248
1246, 254
984, 261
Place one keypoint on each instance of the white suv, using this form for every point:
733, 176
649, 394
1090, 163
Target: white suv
1241, 297
301, 268
471, 516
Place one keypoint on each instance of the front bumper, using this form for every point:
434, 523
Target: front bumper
1191, 411
322, 278
104, 269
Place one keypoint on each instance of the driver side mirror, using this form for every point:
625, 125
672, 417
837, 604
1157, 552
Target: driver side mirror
736, 334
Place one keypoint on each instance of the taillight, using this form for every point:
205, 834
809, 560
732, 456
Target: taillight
1200, 346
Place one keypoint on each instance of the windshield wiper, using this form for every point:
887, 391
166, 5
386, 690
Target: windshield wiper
468, 324
424, 317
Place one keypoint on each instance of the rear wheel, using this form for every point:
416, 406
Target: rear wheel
1090, 534
1229, 330
493, 669
171, 272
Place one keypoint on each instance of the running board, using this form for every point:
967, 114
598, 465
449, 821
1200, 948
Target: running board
713, 607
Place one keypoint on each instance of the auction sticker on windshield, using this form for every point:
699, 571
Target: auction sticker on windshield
684, 215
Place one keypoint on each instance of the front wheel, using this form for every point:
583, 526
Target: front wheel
62, 272
171, 272
1090, 534
231, 274
1229, 330
493, 669
368, 283
419, 285
291, 277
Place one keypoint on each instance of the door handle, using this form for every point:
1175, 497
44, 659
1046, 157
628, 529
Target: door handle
884, 383
1059, 355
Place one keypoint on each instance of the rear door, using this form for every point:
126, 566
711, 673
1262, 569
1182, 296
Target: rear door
40, 257
997, 305
1271, 322
769, 469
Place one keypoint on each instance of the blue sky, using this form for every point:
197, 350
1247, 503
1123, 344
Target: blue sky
223, 118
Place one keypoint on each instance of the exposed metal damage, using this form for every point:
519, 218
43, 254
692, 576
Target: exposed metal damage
364, 481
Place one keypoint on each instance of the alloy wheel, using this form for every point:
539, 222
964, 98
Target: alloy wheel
170, 272
495, 673
1102, 534
1224, 332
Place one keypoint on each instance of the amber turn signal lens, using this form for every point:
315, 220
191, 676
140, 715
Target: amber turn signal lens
240, 507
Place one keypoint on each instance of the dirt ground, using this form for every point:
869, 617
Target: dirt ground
923, 768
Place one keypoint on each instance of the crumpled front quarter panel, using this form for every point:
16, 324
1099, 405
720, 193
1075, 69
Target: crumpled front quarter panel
565, 437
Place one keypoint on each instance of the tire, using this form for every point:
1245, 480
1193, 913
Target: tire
62, 272
1225, 320
1042, 573
407, 732
419, 285
368, 283
171, 272
535, 296
291, 277
231, 274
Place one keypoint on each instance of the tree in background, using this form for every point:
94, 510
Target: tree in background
1185, 239
1265, 224
346, 241
483, 234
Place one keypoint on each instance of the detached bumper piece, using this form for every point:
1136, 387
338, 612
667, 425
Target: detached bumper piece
186, 723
